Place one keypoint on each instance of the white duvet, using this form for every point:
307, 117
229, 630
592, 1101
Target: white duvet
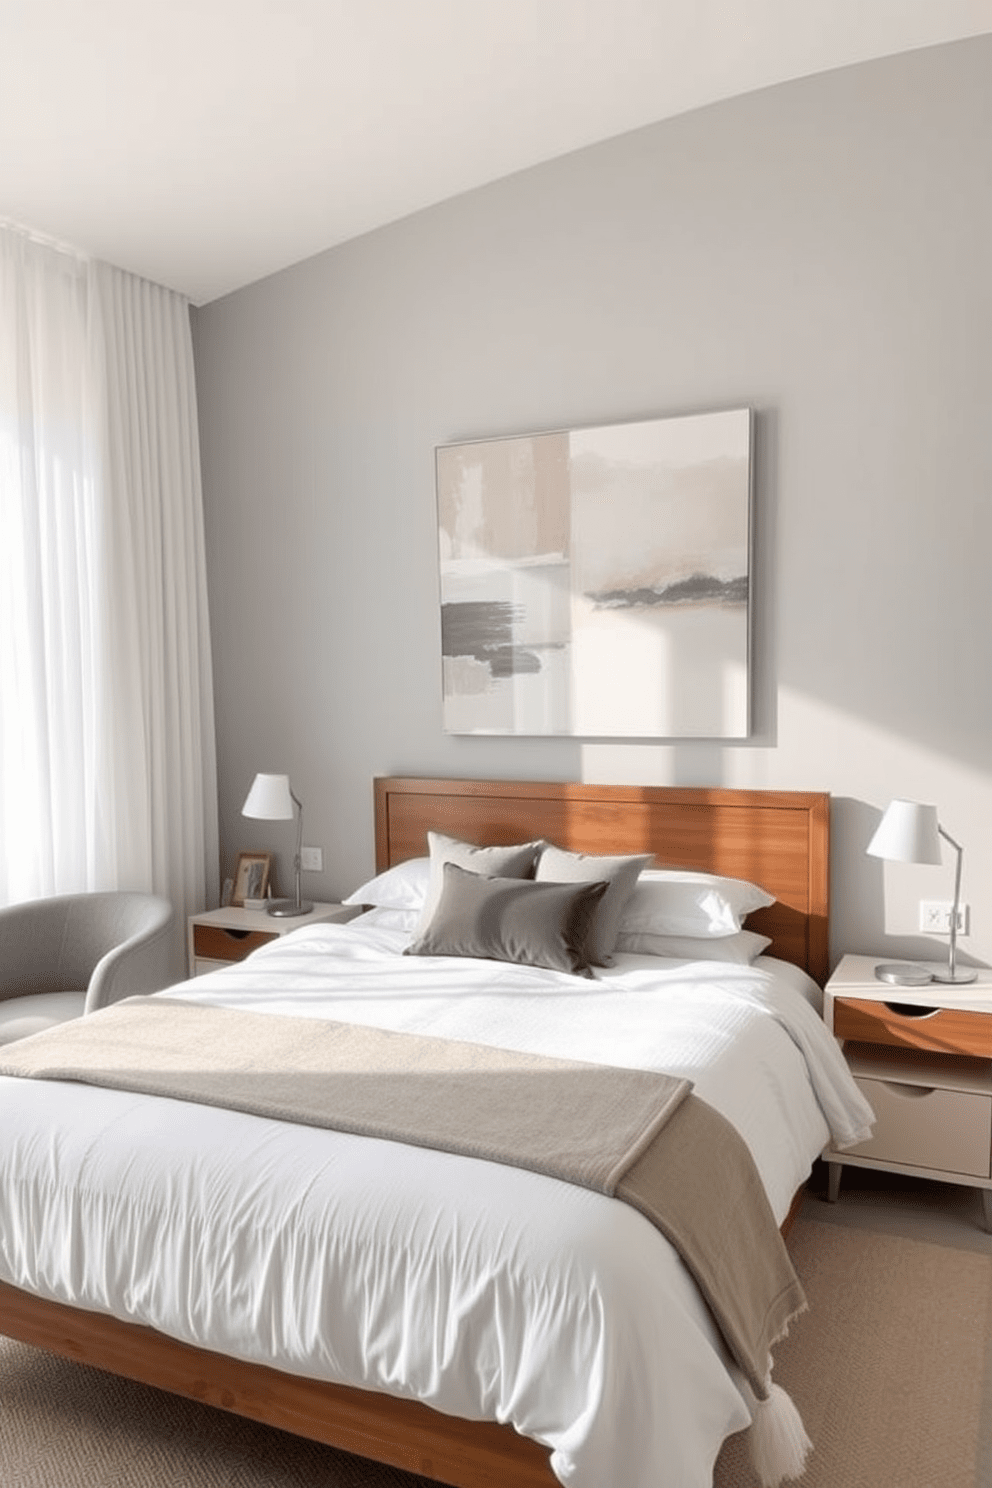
485, 1291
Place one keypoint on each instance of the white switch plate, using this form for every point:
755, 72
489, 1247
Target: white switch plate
312, 859
935, 917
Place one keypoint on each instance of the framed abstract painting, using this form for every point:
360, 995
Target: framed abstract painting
597, 582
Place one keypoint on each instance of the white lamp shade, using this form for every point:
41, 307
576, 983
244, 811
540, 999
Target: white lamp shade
269, 798
907, 833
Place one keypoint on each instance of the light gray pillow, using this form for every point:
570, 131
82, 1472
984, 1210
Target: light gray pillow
512, 919
495, 862
620, 874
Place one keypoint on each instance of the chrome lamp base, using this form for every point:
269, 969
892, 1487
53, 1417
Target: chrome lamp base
285, 909
959, 977
903, 974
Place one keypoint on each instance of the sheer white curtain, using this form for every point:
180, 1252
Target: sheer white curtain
107, 760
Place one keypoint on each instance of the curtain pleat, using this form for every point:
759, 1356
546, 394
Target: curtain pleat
107, 754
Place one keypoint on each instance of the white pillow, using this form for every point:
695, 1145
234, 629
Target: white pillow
743, 948
401, 887
675, 901
380, 917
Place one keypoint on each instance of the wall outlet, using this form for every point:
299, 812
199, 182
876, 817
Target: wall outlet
935, 917
312, 859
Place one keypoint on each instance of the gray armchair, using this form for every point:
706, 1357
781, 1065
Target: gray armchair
60, 958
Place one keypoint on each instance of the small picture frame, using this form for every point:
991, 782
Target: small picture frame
251, 877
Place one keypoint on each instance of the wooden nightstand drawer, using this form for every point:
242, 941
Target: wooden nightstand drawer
941, 1030
219, 937
218, 943
928, 1128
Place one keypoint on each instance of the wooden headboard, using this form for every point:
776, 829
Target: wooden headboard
778, 839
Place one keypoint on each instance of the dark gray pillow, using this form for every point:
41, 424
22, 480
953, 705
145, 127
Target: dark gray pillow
620, 874
512, 919
516, 861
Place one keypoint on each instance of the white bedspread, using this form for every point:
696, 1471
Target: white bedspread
486, 1291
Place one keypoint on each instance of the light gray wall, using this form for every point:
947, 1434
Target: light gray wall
821, 252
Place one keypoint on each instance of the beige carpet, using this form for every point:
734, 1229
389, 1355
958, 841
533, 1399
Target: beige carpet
65, 1425
891, 1370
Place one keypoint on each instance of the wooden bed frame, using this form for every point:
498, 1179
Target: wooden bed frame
779, 839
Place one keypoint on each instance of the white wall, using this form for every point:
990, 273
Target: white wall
819, 251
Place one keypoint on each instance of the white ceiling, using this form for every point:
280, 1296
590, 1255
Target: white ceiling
206, 143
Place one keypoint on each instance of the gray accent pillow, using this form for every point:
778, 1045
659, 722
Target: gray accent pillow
512, 919
620, 875
495, 862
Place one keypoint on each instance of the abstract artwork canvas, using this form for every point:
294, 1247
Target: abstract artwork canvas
596, 582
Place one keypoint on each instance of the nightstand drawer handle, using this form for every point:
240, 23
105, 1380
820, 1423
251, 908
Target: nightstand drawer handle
911, 1010
909, 1092
235, 934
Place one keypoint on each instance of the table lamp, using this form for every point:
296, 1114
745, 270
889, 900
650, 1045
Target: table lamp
910, 833
271, 798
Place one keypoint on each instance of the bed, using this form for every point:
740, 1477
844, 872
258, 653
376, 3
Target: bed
778, 840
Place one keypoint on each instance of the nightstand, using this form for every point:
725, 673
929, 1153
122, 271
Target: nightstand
221, 936
922, 1057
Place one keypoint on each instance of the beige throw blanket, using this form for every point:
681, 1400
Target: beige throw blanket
635, 1134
